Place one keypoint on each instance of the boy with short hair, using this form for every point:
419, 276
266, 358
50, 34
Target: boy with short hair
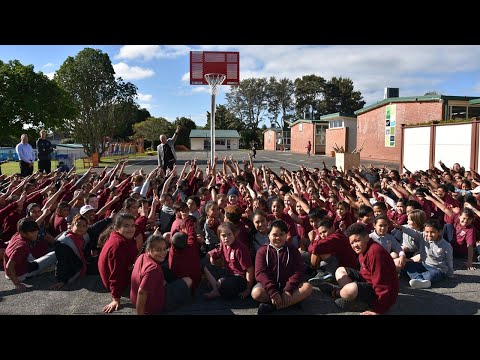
17, 260
373, 289
279, 271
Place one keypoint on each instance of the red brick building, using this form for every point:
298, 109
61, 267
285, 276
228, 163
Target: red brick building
303, 131
379, 125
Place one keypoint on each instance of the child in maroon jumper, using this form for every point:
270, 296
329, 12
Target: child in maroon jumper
16, 261
117, 258
237, 277
373, 289
150, 293
279, 270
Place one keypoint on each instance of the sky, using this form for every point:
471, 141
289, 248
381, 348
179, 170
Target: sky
161, 72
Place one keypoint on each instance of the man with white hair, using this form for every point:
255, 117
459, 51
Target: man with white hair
26, 156
166, 151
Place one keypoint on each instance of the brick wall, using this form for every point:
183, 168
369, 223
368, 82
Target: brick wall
269, 138
299, 139
371, 128
338, 136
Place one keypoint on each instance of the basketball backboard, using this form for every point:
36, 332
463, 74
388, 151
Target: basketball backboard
214, 62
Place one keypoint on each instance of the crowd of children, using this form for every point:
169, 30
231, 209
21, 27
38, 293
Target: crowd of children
243, 229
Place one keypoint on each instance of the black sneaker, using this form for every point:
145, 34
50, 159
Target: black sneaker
265, 309
351, 306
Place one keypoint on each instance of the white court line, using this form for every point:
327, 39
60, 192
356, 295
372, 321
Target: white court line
285, 162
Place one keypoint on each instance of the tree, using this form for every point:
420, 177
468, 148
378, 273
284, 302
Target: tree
186, 125
139, 115
151, 129
432, 93
340, 97
309, 92
281, 100
224, 119
248, 101
29, 98
103, 104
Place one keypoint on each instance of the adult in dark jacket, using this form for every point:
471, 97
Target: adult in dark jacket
279, 271
45, 149
167, 156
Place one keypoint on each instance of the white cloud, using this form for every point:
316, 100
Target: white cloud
48, 65
50, 75
149, 52
200, 89
132, 72
186, 76
145, 97
145, 105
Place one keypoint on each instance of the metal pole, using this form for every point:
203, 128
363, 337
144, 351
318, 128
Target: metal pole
212, 130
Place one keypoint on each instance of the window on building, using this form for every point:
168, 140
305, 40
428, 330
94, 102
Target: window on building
219, 141
474, 112
300, 127
335, 124
458, 112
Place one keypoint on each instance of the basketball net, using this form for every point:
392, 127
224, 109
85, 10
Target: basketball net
214, 80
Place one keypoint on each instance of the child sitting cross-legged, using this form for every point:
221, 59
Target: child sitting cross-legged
435, 252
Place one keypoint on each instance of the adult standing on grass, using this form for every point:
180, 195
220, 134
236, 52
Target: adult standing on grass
166, 151
26, 156
44, 148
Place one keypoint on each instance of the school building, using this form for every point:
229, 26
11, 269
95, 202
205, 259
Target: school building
338, 129
224, 139
379, 125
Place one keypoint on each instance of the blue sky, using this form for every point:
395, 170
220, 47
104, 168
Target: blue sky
161, 72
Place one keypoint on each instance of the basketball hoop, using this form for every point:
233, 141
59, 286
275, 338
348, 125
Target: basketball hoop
214, 80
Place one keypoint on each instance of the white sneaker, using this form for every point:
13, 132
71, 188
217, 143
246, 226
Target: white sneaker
420, 284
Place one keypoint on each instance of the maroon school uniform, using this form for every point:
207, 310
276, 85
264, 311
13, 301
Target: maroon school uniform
377, 268
18, 250
148, 275
10, 225
186, 262
464, 236
237, 258
176, 226
279, 270
59, 225
347, 219
336, 244
116, 262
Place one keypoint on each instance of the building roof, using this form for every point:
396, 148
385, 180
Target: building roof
205, 134
431, 98
308, 121
337, 115
474, 102
272, 129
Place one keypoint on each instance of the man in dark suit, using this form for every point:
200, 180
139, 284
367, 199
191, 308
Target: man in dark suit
167, 156
44, 148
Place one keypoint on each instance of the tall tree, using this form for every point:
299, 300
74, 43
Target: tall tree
248, 101
29, 98
139, 115
224, 119
186, 125
340, 97
281, 100
151, 129
101, 101
309, 93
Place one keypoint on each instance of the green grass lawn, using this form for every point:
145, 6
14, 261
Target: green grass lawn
12, 167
